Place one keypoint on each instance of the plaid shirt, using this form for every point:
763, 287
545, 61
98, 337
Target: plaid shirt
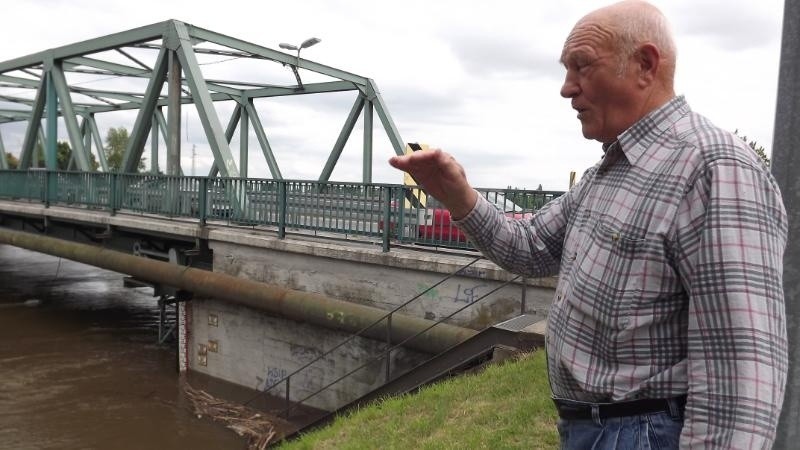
670, 260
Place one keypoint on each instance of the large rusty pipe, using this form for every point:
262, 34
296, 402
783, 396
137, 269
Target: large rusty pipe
291, 304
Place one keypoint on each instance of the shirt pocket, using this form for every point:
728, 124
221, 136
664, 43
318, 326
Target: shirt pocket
605, 277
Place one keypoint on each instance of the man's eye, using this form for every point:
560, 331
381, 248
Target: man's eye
583, 66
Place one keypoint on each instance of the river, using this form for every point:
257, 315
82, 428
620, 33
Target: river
80, 366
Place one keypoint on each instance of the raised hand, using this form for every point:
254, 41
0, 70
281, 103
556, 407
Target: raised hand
441, 176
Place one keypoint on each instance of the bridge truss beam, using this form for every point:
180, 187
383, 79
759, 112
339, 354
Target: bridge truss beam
51, 85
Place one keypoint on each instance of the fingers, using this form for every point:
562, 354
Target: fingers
428, 158
399, 162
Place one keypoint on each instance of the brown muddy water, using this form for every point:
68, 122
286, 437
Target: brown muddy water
80, 366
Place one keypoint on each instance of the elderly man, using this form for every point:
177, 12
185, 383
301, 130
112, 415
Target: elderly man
668, 323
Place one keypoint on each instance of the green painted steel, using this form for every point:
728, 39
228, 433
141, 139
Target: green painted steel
177, 39
19, 81
261, 135
34, 127
308, 88
154, 145
383, 113
133, 152
51, 107
86, 132
231, 128
173, 136
205, 107
385, 213
111, 67
42, 144
244, 143
274, 55
142, 34
3, 161
367, 157
98, 143
68, 114
344, 135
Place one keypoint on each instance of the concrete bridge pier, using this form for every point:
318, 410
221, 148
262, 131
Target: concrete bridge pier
257, 350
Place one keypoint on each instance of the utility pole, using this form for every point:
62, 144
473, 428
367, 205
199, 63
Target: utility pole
785, 167
194, 156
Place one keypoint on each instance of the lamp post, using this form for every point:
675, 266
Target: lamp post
307, 43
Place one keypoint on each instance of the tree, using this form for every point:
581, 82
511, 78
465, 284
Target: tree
13, 161
63, 156
759, 149
116, 143
63, 153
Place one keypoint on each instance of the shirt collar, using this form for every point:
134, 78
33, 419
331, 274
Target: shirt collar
640, 136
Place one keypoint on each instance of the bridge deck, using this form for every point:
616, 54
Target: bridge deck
353, 248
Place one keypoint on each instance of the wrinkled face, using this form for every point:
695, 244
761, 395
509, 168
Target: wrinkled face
604, 98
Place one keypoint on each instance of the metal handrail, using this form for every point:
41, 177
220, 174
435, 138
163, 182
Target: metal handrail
364, 329
388, 351
374, 210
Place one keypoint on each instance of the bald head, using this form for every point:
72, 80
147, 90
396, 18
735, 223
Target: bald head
620, 63
631, 24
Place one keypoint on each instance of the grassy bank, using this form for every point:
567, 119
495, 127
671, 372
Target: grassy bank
505, 406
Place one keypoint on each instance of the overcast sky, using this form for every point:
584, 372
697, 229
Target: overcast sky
479, 79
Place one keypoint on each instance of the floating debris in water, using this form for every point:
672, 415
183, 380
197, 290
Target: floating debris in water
246, 422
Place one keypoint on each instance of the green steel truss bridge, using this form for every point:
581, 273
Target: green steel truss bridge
51, 88
52, 84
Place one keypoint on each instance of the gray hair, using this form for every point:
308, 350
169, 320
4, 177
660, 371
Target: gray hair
646, 24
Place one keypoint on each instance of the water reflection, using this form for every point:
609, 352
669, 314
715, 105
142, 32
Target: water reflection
80, 367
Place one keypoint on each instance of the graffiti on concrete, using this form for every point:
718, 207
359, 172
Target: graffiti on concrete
466, 295
432, 293
303, 353
274, 376
473, 272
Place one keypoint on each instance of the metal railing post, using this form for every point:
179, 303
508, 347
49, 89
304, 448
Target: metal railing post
282, 207
202, 201
401, 214
46, 189
287, 403
389, 347
387, 206
112, 195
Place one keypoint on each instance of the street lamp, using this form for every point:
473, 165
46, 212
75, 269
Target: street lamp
307, 43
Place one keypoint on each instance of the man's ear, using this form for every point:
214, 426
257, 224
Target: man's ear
648, 61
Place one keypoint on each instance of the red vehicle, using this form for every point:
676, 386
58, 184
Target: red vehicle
433, 224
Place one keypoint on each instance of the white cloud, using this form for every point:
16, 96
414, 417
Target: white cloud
480, 79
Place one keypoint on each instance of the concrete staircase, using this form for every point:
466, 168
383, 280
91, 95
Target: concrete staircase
494, 344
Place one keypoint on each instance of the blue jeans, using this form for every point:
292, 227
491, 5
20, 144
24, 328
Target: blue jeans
653, 431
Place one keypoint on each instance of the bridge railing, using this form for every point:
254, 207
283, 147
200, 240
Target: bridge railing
388, 213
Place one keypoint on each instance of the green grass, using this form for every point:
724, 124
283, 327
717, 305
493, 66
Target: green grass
505, 406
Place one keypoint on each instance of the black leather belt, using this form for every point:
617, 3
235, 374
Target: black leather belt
568, 410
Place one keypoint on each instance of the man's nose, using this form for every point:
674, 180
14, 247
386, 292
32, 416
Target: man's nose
570, 88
